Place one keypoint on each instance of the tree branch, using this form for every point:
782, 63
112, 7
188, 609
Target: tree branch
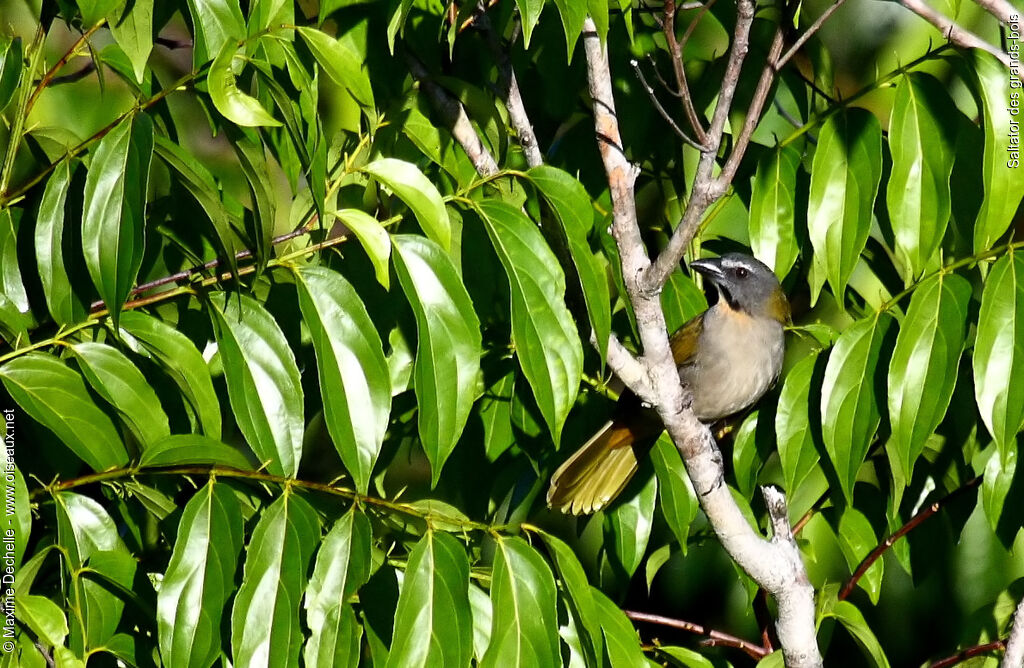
815, 27
718, 637
965, 39
676, 53
965, 654
1001, 9
661, 110
1014, 656
774, 564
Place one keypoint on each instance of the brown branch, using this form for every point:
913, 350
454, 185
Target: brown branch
715, 637
61, 62
661, 110
675, 52
912, 524
963, 655
965, 39
815, 27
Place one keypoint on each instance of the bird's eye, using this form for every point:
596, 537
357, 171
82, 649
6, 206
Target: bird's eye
742, 272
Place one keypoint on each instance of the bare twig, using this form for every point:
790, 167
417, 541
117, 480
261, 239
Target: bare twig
661, 110
815, 27
912, 524
61, 62
717, 637
675, 51
1014, 656
1001, 9
965, 654
965, 39
774, 564
456, 118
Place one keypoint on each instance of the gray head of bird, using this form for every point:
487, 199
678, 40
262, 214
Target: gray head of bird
745, 284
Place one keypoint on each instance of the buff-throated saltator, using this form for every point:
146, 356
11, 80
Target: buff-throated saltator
729, 356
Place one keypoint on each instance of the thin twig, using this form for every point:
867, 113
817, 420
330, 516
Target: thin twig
61, 62
965, 39
675, 52
965, 654
815, 27
912, 524
720, 638
661, 110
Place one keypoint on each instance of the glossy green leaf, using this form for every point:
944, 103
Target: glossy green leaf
113, 222
995, 486
746, 461
184, 449
571, 203
419, 194
200, 578
253, 161
681, 300
851, 618
21, 523
573, 14
56, 397
480, 604
122, 385
689, 658
238, 107
217, 22
263, 380
856, 540
579, 598
543, 332
11, 283
182, 361
849, 408
999, 351
89, 536
53, 275
396, 25
342, 566
433, 623
447, 346
924, 364
13, 323
374, 239
677, 500
132, 28
1002, 177
845, 174
43, 617
620, 637
529, 14
496, 412
354, 379
265, 628
797, 452
628, 526
918, 193
772, 216
10, 69
525, 624
341, 62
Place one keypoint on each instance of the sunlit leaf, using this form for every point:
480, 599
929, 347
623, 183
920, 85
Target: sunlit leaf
238, 107
184, 449
49, 244
620, 637
797, 452
216, 22
580, 598
419, 194
629, 524
856, 540
677, 500
772, 215
374, 239
343, 64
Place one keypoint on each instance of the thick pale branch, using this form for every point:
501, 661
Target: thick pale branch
963, 38
1001, 9
774, 564
1014, 656
509, 88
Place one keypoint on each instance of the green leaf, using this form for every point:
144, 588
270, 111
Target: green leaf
529, 13
924, 364
571, 204
433, 623
49, 243
342, 566
263, 380
797, 452
995, 486
681, 300
185, 449
374, 239
598, 10
200, 578
11, 283
1002, 178
10, 68
265, 628
999, 351
354, 379
182, 361
341, 62
496, 412
678, 501
447, 347
772, 210
543, 332
90, 538
746, 461
628, 526
853, 620
132, 28
856, 540
689, 658
56, 397
113, 222
482, 620
412, 187
216, 22
918, 193
122, 385
620, 637
849, 407
845, 173
396, 25
236, 106
22, 521
252, 158
573, 13
43, 617
579, 598
525, 623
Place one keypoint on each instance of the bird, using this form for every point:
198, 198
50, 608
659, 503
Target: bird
730, 356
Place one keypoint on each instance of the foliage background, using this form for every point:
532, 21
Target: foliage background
314, 150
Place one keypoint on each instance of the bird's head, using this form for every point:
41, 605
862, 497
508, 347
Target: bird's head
744, 284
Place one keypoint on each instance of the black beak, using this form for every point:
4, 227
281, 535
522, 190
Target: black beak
711, 269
